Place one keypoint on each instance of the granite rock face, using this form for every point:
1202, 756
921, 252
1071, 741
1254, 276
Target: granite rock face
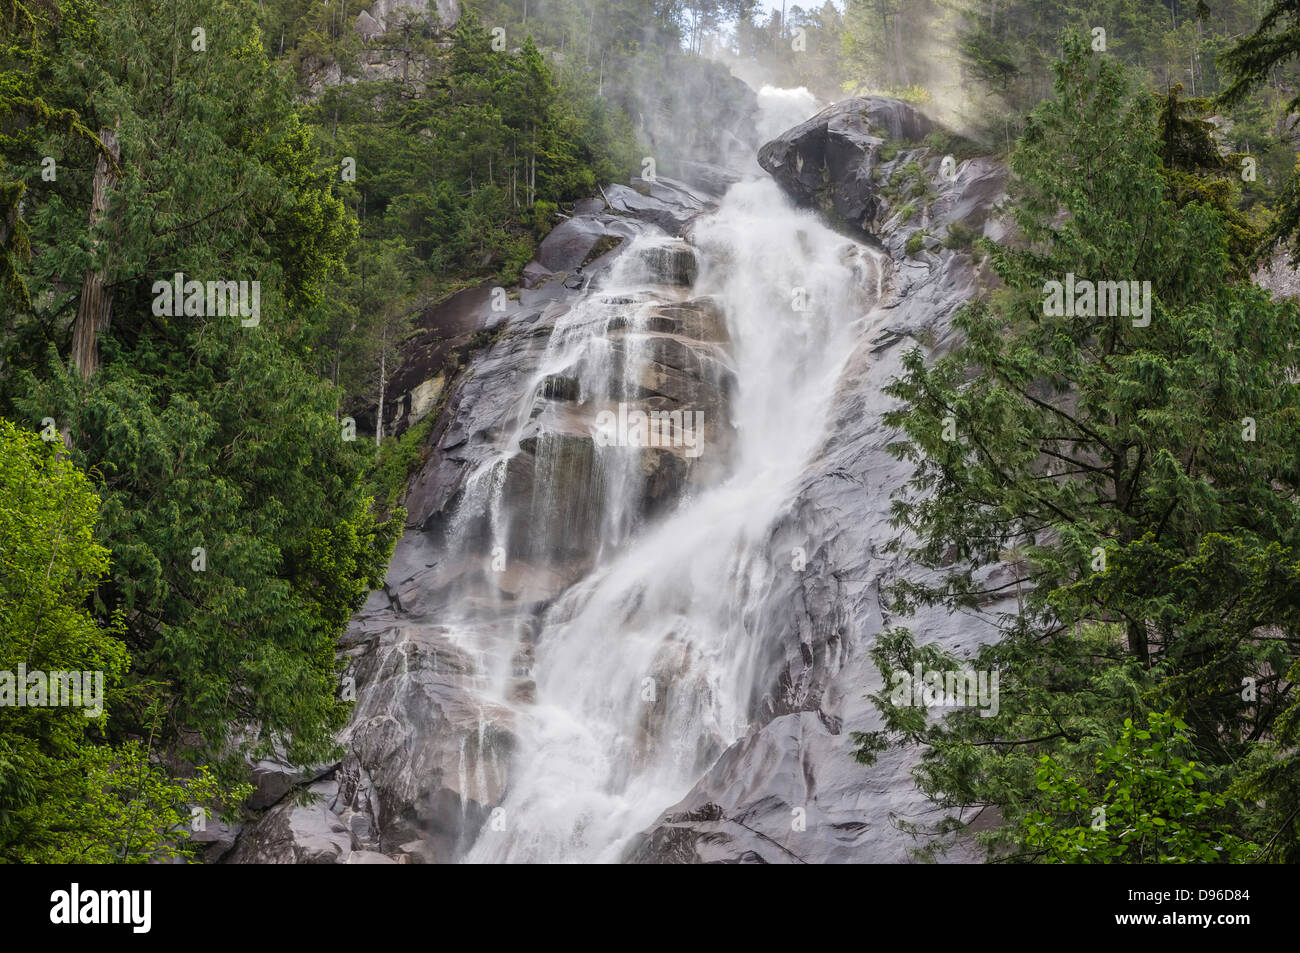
386, 15
430, 747
791, 791
855, 162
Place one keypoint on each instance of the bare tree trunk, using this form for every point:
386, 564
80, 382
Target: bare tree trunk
532, 172
96, 305
379, 411
898, 48
1137, 642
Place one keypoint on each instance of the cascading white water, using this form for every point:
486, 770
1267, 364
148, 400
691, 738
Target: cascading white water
645, 668
781, 109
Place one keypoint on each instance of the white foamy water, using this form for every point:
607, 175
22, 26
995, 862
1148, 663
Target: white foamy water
781, 109
644, 669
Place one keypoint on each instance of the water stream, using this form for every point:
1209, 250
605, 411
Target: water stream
645, 668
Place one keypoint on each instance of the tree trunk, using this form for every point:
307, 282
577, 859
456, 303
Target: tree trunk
96, 305
898, 49
532, 172
1137, 642
379, 411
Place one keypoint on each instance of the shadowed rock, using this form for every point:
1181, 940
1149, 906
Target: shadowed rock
833, 154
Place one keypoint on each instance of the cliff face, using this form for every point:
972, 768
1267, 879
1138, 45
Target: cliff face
880, 167
430, 742
587, 651
385, 16
790, 790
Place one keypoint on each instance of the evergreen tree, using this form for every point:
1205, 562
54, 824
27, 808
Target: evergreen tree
1197, 170
232, 503
68, 793
1255, 61
1060, 447
32, 105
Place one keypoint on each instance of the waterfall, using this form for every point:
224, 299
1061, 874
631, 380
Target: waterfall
631, 615
646, 667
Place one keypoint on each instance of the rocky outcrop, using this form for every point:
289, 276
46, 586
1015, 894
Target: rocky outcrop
1278, 274
667, 203
429, 743
569, 245
863, 163
839, 147
386, 15
298, 832
380, 60
790, 791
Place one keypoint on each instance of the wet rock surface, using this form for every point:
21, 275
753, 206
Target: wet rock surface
864, 163
430, 747
791, 791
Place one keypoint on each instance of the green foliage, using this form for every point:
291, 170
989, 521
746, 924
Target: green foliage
32, 106
200, 432
1120, 474
915, 242
68, 793
804, 50
543, 217
467, 162
909, 184
1143, 806
398, 459
1255, 63
888, 46
958, 236
1255, 58
1198, 172
985, 65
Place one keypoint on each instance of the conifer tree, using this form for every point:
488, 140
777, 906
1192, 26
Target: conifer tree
72, 789
232, 502
1069, 449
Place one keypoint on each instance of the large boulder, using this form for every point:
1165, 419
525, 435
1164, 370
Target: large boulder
828, 161
568, 244
297, 833
668, 203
